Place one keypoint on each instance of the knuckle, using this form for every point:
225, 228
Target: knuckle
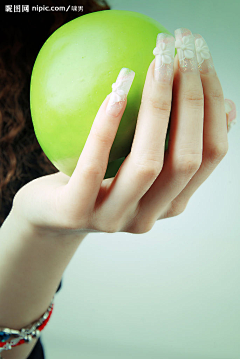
187, 165
217, 153
217, 95
177, 208
148, 168
194, 98
92, 169
141, 222
143, 226
160, 104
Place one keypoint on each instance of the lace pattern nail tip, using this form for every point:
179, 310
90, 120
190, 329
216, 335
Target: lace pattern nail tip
185, 45
120, 90
204, 58
164, 57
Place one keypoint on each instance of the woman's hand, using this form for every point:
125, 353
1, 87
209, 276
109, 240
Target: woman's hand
149, 185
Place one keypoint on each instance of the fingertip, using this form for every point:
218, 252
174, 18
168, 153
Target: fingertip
120, 89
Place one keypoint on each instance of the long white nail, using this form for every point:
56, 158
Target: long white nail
120, 91
185, 45
164, 52
204, 58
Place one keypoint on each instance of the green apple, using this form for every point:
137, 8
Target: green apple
74, 72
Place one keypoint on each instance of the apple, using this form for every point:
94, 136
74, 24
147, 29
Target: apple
74, 72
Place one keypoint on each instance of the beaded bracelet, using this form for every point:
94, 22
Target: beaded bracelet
24, 335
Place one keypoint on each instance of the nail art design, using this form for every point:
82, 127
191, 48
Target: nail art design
120, 89
185, 45
202, 50
204, 58
117, 93
164, 52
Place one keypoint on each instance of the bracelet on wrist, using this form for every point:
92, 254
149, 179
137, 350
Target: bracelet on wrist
10, 338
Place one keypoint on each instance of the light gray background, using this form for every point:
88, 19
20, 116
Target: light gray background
174, 292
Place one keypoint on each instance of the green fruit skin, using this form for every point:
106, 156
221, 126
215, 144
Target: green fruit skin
74, 72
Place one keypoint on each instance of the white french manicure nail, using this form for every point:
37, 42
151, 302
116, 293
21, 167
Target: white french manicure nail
185, 45
120, 91
204, 58
164, 52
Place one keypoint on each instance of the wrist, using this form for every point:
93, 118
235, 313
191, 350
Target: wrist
31, 268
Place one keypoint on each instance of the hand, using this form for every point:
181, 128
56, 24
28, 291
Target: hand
149, 185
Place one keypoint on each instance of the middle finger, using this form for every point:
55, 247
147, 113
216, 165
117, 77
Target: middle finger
184, 154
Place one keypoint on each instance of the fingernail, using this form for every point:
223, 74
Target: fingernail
164, 58
204, 58
120, 91
231, 113
185, 46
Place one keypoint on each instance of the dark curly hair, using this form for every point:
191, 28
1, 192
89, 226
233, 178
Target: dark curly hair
21, 37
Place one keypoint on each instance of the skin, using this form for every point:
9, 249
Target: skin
150, 185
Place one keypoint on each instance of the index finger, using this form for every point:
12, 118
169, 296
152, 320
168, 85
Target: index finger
141, 167
88, 175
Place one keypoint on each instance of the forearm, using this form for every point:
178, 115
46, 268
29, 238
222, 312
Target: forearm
31, 268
